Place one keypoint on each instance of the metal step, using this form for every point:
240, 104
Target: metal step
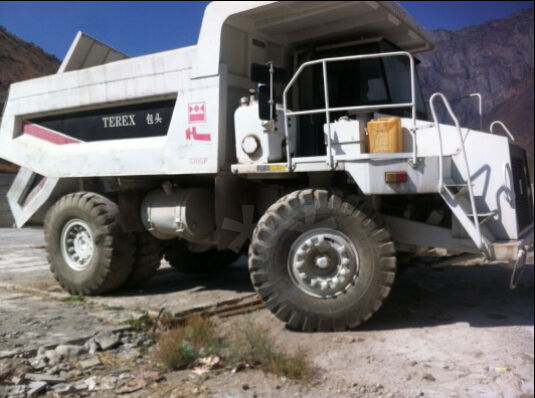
455, 189
483, 218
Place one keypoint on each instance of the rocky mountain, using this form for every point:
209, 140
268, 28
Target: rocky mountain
20, 60
495, 59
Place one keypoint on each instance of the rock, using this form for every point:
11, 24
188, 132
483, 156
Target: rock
71, 374
95, 383
35, 388
108, 340
91, 383
238, 368
12, 391
152, 376
69, 388
89, 363
129, 355
107, 383
16, 380
91, 346
63, 366
429, 377
145, 340
69, 350
52, 357
46, 378
38, 363
131, 386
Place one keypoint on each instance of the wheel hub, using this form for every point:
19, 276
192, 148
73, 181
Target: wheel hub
323, 263
77, 244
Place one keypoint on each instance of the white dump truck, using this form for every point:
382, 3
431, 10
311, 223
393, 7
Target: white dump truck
293, 132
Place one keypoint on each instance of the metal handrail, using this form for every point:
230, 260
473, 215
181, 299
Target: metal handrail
502, 125
327, 109
479, 108
465, 158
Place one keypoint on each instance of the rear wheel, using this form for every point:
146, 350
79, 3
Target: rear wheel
188, 262
147, 259
86, 249
321, 263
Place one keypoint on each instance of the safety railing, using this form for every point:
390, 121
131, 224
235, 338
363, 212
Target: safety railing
327, 109
475, 222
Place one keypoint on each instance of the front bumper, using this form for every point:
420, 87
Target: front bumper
511, 250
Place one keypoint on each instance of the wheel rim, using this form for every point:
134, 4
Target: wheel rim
323, 263
77, 244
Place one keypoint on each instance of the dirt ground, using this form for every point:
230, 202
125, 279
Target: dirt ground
455, 331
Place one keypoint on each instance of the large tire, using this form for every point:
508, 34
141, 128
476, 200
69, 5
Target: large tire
86, 225
188, 262
320, 263
147, 260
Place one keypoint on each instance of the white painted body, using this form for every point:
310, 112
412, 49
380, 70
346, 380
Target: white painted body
348, 135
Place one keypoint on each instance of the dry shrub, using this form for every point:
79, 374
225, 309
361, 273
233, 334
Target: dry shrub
254, 345
180, 347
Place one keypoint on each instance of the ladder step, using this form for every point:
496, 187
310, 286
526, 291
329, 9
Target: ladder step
455, 189
483, 217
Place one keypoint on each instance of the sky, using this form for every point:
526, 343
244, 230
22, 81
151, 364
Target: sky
137, 28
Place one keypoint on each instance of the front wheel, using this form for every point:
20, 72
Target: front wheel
320, 263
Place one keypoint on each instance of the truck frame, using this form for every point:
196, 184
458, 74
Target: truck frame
255, 141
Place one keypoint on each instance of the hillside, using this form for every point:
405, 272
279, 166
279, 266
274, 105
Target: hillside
495, 59
20, 60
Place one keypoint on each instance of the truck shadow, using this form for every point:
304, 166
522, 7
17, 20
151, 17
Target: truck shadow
420, 297
477, 295
234, 278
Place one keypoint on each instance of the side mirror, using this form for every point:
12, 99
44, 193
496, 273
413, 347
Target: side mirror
263, 104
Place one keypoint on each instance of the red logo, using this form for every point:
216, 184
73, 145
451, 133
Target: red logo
191, 134
196, 112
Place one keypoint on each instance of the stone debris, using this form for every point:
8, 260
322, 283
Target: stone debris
89, 363
108, 340
132, 386
35, 388
95, 383
91, 346
204, 365
46, 378
16, 380
60, 370
70, 350
429, 377
139, 382
69, 388
12, 391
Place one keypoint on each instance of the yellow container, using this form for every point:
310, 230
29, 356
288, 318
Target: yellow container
384, 135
